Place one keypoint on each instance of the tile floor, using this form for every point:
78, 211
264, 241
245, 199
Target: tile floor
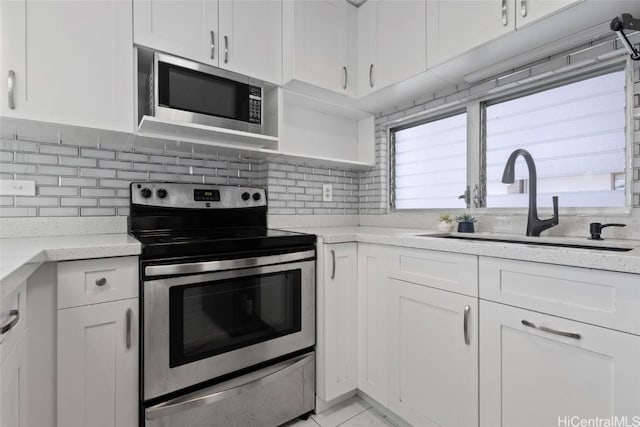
354, 412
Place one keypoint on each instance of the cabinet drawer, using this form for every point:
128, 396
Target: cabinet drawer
97, 280
15, 322
598, 297
442, 270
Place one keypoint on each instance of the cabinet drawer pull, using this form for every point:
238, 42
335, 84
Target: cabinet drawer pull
523, 7
128, 325
226, 49
346, 77
551, 331
333, 268
101, 281
371, 75
505, 20
213, 44
467, 311
6, 328
11, 85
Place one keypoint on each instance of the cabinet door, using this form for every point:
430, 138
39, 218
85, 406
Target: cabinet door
73, 62
98, 365
476, 22
533, 378
394, 54
186, 28
339, 320
13, 380
373, 320
320, 43
433, 364
251, 38
528, 11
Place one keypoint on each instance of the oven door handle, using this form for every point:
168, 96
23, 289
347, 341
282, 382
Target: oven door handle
229, 264
226, 389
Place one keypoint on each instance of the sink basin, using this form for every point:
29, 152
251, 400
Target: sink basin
529, 242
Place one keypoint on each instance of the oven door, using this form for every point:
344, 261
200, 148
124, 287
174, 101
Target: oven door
200, 327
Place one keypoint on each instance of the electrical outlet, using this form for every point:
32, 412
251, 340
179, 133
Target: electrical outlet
327, 192
11, 187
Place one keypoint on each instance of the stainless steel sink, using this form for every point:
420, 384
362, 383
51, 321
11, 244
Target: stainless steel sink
529, 242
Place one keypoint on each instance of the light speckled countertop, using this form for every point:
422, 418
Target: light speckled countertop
19, 256
628, 262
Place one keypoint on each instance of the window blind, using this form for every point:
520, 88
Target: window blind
430, 164
576, 135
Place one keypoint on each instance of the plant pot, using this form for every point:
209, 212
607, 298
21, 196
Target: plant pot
465, 227
445, 226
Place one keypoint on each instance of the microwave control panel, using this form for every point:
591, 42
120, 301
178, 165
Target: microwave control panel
255, 104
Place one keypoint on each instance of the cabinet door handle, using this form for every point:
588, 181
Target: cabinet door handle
6, 328
371, 75
11, 85
128, 322
346, 77
213, 44
551, 331
226, 49
101, 281
333, 268
465, 326
505, 19
523, 7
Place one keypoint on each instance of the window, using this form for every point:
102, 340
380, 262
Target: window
576, 135
575, 132
431, 163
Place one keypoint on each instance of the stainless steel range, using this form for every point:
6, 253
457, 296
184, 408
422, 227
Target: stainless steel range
228, 308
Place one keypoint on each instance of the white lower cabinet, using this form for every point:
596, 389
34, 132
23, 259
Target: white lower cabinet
532, 374
336, 338
433, 356
97, 363
13, 379
373, 320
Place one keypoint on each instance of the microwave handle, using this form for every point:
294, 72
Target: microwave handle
213, 44
226, 49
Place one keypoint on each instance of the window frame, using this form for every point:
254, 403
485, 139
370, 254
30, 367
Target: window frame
444, 114
475, 108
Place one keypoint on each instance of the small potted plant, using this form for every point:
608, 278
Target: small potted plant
465, 223
446, 223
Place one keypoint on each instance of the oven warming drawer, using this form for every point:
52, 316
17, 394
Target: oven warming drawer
265, 398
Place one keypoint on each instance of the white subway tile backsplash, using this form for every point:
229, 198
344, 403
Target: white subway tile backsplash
36, 201
63, 150
57, 170
58, 212
78, 201
78, 161
99, 154
57, 191
98, 173
97, 212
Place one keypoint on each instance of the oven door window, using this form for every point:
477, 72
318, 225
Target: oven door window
215, 317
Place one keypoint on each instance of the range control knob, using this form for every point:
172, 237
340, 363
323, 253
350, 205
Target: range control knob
162, 193
146, 193
256, 196
245, 196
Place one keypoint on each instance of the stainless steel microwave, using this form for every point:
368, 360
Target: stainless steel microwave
184, 91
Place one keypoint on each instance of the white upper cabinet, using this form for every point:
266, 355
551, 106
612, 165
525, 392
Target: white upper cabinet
528, 11
251, 38
70, 62
391, 42
238, 35
455, 27
186, 28
316, 44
